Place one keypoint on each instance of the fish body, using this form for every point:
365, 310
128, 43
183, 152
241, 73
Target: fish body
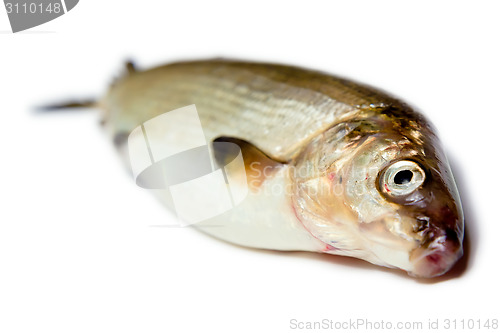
360, 173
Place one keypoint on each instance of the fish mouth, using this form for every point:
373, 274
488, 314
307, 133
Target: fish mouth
436, 257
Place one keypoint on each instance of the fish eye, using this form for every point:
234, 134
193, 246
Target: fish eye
402, 178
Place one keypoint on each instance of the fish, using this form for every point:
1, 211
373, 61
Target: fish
359, 172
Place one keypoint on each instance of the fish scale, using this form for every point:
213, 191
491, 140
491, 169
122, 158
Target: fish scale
302, 112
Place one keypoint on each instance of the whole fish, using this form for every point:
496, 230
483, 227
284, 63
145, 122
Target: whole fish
361, 174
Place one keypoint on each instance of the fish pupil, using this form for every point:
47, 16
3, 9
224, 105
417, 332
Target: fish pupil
403, 177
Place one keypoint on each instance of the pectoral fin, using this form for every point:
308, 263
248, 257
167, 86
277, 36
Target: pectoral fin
258, 166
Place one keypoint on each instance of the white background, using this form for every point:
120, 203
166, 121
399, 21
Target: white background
78, 250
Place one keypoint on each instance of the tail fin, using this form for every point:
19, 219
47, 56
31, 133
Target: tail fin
130, 69
77, 104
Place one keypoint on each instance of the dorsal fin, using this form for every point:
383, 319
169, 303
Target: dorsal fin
130, 67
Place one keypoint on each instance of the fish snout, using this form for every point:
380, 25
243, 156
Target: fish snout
436, 256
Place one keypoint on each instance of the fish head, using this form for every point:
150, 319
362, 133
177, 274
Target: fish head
381, 189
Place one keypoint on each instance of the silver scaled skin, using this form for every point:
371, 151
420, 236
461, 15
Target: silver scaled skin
367, 175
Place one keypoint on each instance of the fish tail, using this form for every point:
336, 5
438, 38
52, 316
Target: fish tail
74, 104
79, 104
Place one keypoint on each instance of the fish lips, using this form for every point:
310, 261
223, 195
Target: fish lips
441, 245
437, 258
